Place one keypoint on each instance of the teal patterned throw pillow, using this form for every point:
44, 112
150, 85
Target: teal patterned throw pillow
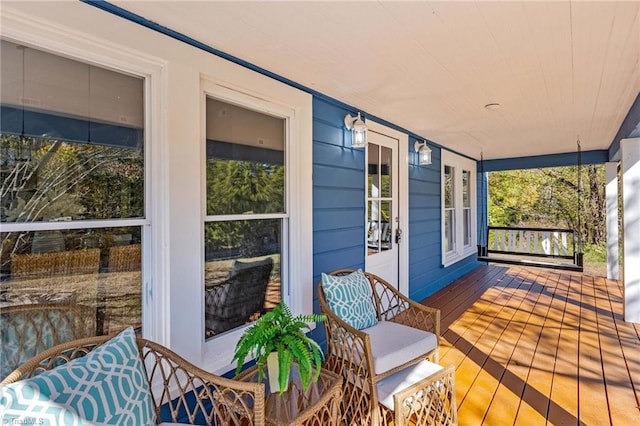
107, 386
350, 298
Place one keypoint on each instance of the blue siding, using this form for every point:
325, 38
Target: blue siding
338, 196
426, 273
339, 208
630, 128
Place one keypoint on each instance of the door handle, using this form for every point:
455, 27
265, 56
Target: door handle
398, 235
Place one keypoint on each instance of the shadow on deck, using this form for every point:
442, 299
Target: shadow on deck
532, 346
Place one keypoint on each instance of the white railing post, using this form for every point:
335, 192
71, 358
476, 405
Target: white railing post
511, 242
546, 244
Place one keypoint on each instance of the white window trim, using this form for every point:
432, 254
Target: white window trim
459, 164
297, 256
63, 41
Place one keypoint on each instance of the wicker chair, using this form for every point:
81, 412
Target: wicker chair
180, 390
125, 258
26, 330
60, 263
232, 303
349, 352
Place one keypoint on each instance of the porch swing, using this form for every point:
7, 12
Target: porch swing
552, 248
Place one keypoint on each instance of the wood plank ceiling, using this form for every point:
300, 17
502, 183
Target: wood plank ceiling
559, 70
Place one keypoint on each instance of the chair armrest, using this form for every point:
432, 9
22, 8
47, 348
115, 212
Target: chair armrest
217, 399
395, 306
348, 349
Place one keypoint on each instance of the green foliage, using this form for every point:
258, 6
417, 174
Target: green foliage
44, 179
243, 187
549, 197
280, 331
595, 254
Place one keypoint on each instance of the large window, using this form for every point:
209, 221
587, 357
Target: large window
72, 200
458, 209
246, 214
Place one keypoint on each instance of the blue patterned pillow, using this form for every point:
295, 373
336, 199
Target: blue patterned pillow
106, 386
350, 298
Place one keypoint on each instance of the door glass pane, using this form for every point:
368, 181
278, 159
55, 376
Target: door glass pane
386, 172
60, 285
385, 225
373, 227
242, 272
245, 160
373, 171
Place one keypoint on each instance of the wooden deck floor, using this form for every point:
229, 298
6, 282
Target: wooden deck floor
535, 346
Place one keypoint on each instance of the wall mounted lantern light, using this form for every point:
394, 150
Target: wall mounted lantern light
424, 153
358, 130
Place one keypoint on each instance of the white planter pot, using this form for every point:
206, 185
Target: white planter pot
273, 370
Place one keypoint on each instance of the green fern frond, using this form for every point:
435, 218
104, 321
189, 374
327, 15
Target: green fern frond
278, 330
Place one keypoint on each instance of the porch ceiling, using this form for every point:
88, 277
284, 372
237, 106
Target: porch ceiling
559, 70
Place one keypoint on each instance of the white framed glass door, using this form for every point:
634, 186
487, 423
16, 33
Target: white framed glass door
382, 218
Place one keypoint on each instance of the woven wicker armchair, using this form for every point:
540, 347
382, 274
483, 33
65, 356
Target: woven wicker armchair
349, 351
26, 330
232, 303
180, 390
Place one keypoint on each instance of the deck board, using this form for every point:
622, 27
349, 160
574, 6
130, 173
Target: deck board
537, 347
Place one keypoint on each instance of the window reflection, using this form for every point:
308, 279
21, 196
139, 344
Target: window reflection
242, 272
379, 211
246, 176
245, 161
71, 150
60, 285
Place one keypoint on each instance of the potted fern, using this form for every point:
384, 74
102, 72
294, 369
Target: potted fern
277, 340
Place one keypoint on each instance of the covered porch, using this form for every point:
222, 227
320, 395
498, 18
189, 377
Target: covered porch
536, 346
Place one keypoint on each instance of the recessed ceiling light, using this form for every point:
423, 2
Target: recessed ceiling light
492, 107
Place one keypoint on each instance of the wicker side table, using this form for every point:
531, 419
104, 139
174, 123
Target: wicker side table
319, 405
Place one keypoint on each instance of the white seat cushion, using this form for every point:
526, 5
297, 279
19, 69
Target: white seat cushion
402, 380
394, 344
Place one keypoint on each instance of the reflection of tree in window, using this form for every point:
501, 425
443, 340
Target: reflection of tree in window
48, 180
241, 187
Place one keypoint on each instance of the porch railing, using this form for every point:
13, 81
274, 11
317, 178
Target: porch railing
532, 243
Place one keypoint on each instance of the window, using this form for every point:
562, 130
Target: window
245, 214
449, 210
256, 207
458, 217
72, 170
466, 207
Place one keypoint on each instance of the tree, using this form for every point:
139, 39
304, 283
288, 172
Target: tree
549, 198
49, 179
243, 187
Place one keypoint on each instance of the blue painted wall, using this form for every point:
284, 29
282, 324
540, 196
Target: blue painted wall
426, 273
339, 208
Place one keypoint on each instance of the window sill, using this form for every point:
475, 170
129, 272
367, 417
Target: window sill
457, 257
